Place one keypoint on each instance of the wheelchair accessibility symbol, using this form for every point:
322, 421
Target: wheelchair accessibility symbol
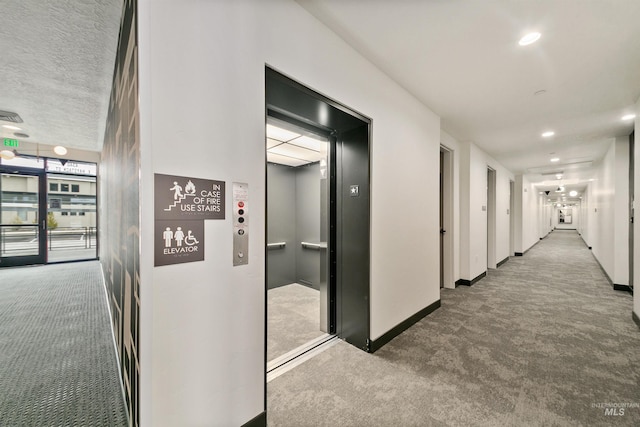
174, 240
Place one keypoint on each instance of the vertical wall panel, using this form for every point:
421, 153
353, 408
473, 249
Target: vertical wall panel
308, 224
281, 219
119, 184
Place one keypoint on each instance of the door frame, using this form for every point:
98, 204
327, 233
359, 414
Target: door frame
447, 209
491, 218
288, 99
41, 258
631, 205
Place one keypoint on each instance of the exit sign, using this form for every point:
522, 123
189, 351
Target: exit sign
10, 142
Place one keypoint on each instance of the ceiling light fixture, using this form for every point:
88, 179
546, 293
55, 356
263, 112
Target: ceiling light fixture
11, 127
59, 150
629, 117
529, 38
548, 133
573, 193
7, 154
554, 159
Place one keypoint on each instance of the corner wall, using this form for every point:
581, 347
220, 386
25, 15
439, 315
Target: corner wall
119, 209
527, 201
607, 211
202, 84
473, 219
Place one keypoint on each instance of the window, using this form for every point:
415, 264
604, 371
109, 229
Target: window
81, 213
73, 213
53, 186
75, 188
64, 187
65, 213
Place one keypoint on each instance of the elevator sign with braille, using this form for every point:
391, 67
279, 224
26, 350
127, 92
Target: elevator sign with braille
179, 197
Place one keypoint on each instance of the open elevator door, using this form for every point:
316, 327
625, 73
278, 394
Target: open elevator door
348, 232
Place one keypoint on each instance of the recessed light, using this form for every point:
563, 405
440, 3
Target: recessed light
573, 193
59, 150
7, 154
629, 117
11, 127
548, 133
554, 159
529, 38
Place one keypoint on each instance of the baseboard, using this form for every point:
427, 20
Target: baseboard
604, 271
501, 263
472, 281
259, 420
377, 344
635, 318
626, 288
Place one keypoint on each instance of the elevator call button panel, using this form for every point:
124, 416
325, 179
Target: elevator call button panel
240, 223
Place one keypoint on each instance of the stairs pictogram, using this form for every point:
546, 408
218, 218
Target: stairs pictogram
180, 199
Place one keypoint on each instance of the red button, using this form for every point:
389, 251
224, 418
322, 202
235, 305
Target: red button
241, 204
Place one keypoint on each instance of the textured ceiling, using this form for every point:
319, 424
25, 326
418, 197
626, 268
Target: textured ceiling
462, 59
57, 67
459, 57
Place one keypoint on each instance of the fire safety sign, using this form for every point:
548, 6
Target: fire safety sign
181, 204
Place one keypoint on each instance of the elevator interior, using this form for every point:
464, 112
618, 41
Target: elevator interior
297, 232
329, 257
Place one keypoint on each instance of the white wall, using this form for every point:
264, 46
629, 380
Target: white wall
473, 219
601, 211
575, 218
621, 213
546, 212
636, 228
527, 201
607, 212
202, 115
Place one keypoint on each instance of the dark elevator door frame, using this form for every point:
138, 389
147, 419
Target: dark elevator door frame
349, 239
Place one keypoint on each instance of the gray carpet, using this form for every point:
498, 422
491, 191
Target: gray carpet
542, 341
293, 318
57, 360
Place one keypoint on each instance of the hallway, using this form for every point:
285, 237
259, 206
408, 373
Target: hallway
57, 363
543, 340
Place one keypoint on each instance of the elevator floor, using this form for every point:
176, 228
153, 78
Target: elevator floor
293, 318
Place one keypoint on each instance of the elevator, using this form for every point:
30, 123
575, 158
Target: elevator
318, 218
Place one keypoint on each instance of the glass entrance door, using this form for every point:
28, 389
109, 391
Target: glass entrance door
22, 219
